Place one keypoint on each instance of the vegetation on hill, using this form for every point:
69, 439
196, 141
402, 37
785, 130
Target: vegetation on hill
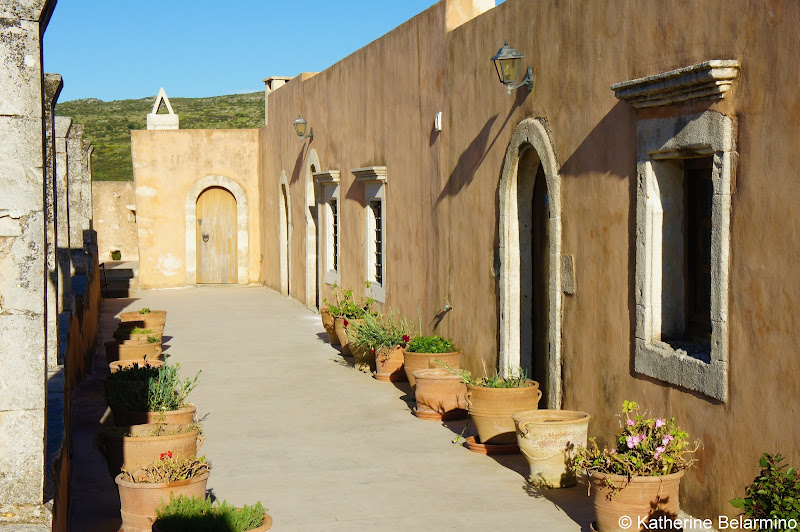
108, 124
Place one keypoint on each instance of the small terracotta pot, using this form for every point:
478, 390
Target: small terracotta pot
440, 394
328, 322
642, 497
549, 439
341, 333
389, 365
156, 318
266, 524
119, 364
139, 500
184, 416
491, 410
364, 358
414, 361
135, 451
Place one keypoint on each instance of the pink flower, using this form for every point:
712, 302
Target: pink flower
346, 323
631, 423
612, 451
660, 423
633, 441
668, 438
659, 450
406, 338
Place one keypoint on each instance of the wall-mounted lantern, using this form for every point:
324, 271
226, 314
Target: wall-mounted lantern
300, 126
507, 62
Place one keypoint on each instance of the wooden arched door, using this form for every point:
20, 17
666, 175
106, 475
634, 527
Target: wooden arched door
216, 237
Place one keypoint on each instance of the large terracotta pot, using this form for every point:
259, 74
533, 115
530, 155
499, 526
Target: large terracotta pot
119, 364
184, 416
123, 336
125, 326
491, 410
266, 524
548, 439
341, 333
414, 361
642, 497
328, 322
138, 500
156, 318
389, 365
440, 394
137, 450
364, 358
116, 351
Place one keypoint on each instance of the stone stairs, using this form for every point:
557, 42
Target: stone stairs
121, 278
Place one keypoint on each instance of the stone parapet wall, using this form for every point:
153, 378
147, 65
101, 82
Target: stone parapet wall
114, 219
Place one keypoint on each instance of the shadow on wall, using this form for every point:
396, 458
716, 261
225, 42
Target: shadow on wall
298, 164
471, 158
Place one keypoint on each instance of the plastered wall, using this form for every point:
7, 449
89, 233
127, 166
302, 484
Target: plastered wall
166, 165
376, 107
114, 217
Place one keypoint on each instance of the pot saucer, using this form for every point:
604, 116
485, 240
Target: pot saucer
491, 449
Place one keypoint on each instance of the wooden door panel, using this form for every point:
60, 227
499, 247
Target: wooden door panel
216, 237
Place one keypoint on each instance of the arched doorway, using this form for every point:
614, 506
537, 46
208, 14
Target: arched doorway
238, 229
284, 237
216, 237
312, 232
530, 265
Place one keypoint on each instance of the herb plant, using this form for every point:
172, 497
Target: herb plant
518, 378
644, 447
201, 515
347, 307
167, 469
145, 310
138, 330
379, 332
774, 494
430, 344
148, 389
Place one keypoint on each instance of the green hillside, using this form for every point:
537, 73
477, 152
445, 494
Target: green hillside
108, 124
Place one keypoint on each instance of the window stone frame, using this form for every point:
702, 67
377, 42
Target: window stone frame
328, 181
374, 179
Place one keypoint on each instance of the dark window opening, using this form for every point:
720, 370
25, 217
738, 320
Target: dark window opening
699, 193
335, 236
376, 212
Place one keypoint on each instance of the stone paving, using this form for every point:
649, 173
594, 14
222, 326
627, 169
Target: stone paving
288, 421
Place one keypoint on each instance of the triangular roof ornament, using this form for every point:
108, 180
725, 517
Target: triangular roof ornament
157, 121
162, 96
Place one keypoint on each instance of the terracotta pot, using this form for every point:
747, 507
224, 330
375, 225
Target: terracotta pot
116, 351
328, 322
117, 365
266, 524
138, 500
642, 497
549, 439
125, 326
341, 333
364, 358
440, 394
156, 318
491, 410
135, 451
123, 336
414, 361
184, 416
389, 365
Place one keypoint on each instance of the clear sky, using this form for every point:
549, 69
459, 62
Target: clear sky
121, 49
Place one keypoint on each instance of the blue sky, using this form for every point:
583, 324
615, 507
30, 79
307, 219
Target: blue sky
120, 49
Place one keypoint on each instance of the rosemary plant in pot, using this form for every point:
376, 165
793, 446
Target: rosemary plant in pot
150, 395
144, 489
639, 476
150, 318
374, 334
346, 312
201, 515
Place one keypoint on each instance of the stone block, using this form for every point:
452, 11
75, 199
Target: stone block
22, 455
22, 69
21, 176
22, 379
22, 267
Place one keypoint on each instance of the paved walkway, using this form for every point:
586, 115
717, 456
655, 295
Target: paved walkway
289, 422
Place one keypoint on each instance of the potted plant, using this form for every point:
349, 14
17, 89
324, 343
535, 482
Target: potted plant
150, 318
373, 334
772, 500
149, 395
346, 312
124, 351
421, 351
638, 478
328, 313
492, 400
140, 445
116, 255
549, 439
137, 335
440, 394
143, 490
120, 364
200, 514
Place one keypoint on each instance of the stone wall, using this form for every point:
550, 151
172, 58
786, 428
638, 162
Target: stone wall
376, 107
114, 219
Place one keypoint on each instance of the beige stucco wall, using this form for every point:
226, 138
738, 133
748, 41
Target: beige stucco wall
166, 164
376, 107
114, 219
